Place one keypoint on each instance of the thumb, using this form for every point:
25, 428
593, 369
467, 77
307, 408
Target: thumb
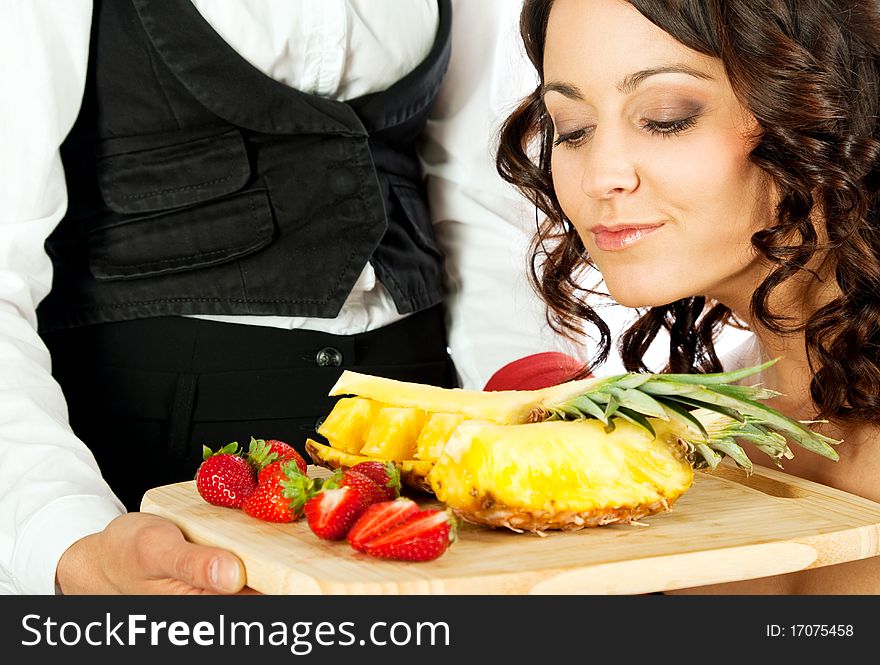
206, 568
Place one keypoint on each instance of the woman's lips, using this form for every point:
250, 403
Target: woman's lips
612, 239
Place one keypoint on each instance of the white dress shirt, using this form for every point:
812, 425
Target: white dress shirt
51, 492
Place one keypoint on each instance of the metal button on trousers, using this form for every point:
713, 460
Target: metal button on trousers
329, 357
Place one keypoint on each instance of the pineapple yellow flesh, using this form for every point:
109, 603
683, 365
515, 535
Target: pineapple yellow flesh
393, 433
435, 433
349, 422
504, 407
560, 475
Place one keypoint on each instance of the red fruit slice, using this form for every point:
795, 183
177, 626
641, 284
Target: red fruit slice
421, 537
378, 518
331, 512
539, 370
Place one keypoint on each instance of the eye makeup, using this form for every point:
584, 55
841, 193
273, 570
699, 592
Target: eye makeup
668, 117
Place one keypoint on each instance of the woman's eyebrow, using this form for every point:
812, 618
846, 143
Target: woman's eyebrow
565, 89
628, 84
632, 81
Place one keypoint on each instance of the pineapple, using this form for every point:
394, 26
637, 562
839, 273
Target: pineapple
582, 453
434, 435
349, 422
503, 407
413, 472
584, 476
393, 433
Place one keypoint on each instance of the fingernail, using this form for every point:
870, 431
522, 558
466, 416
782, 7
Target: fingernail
225, 575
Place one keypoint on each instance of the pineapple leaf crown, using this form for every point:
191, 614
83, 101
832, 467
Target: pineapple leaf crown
715, 413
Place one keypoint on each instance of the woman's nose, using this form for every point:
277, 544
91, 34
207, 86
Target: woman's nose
609, 168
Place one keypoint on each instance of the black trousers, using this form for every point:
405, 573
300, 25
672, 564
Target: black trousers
146, 395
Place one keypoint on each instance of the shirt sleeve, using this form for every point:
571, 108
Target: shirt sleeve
481, 222
51, 491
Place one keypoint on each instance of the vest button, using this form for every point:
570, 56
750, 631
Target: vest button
329, 357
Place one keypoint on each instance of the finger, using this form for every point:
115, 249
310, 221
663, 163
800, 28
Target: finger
206, 568
171, 556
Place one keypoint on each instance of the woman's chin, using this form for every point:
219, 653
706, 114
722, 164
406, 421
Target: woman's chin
641, 298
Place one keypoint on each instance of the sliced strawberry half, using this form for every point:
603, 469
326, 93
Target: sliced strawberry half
421, 537
331, 512
378, 518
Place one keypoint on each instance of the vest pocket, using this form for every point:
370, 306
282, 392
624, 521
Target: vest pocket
176, 203
162, 171
184, 239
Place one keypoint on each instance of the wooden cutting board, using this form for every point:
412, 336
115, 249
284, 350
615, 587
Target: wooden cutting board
726, 527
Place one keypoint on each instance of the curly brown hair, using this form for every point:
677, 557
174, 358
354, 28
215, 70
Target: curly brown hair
809, 71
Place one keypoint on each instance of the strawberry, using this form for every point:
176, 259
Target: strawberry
286, 451
368, 490
262, 452
378, 518
281, 494
331, 512
270, 470
384, 474
224, 478
423, 536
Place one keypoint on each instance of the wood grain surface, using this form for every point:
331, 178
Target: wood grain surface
727, 527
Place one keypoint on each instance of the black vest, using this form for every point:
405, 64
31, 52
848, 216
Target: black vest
199, 185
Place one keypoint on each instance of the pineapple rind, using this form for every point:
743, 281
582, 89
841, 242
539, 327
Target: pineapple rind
559, 475
503, 407
515, 519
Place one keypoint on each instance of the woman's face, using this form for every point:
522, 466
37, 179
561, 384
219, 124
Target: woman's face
650, 158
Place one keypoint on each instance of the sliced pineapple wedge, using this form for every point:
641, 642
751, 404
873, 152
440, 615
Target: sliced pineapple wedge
348, 424
434, 435
582, 453
394, 433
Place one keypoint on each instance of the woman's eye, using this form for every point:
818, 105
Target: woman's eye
669, 127
571, 139
578, 137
